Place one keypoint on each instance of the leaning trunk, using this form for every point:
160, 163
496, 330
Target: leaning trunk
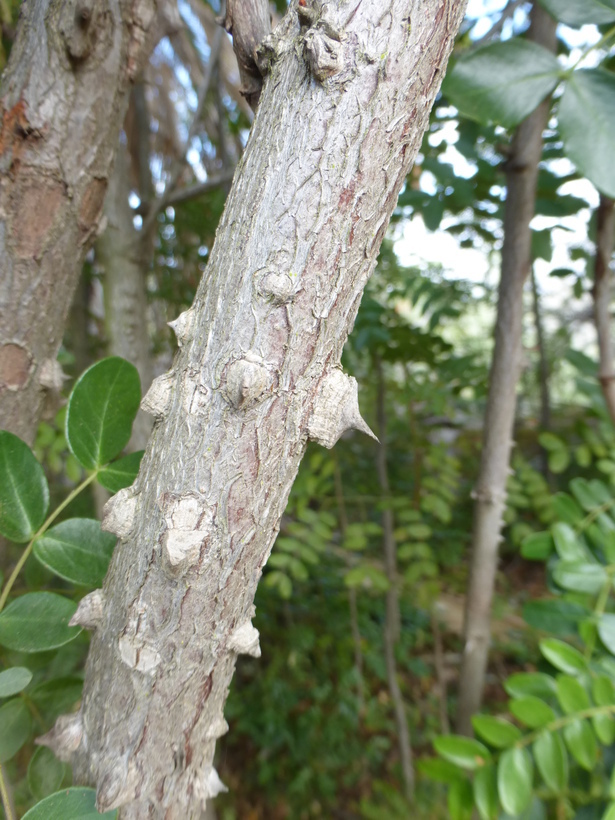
63, 98
490, 492
258, 372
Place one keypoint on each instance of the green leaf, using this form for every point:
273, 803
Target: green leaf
45, 773
497, 732
567, 543
581, 742
537, 546
584, 494
121, 473
100, 411
460, 800
579, 576
571, 694
14, 680
559, 460
606, 630
609, 814
463, 751
576, 14
554, 615
603, 691
24, 494
440, 771
69, 804
37, 621
551, 760
604, 727
530, 683
16, 726
77, 550
280, 581
531, 711
486, 793
502, 82
551, 442
55, 697
563, 656
515, 776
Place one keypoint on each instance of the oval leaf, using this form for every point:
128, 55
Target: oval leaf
486, 793
37, 621
603, 691
566, 542
604, 727
529, 683
515, 775
537, 546
463, 751
24, 494
563, 656
69, 804
579, 576
552, 760
576, 14
571, 694
502, 82
16, 726
581, 742
606, 630
497, 732
77, 550
14, 680
531, 711
45, 773
100, 411
121, 473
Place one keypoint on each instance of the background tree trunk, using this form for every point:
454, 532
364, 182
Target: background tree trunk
63, 100
339, 123
490, 492
605, 228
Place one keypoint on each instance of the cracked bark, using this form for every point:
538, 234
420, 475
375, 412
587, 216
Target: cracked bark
490, 492
62, 103
256, 374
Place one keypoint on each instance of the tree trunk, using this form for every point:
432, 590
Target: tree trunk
62, 104
490, 492
340, 120
602, 298
122, 253
543, 373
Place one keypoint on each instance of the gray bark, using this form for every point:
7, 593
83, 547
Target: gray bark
490, 492
123, 254
62, 104
605, 229
257, 374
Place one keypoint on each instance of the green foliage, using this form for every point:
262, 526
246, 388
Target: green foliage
38, 649
573, 14
565, 717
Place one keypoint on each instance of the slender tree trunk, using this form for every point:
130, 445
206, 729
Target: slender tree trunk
257, 374
123, 253
490, 492
543, 371
392, 625
602, 299
62, 103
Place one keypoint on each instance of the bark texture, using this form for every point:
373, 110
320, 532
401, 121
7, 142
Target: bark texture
62, 104
257, 374
249, 23
605, 230
490, 492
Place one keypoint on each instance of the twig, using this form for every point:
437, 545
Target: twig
199, 188
7, 797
